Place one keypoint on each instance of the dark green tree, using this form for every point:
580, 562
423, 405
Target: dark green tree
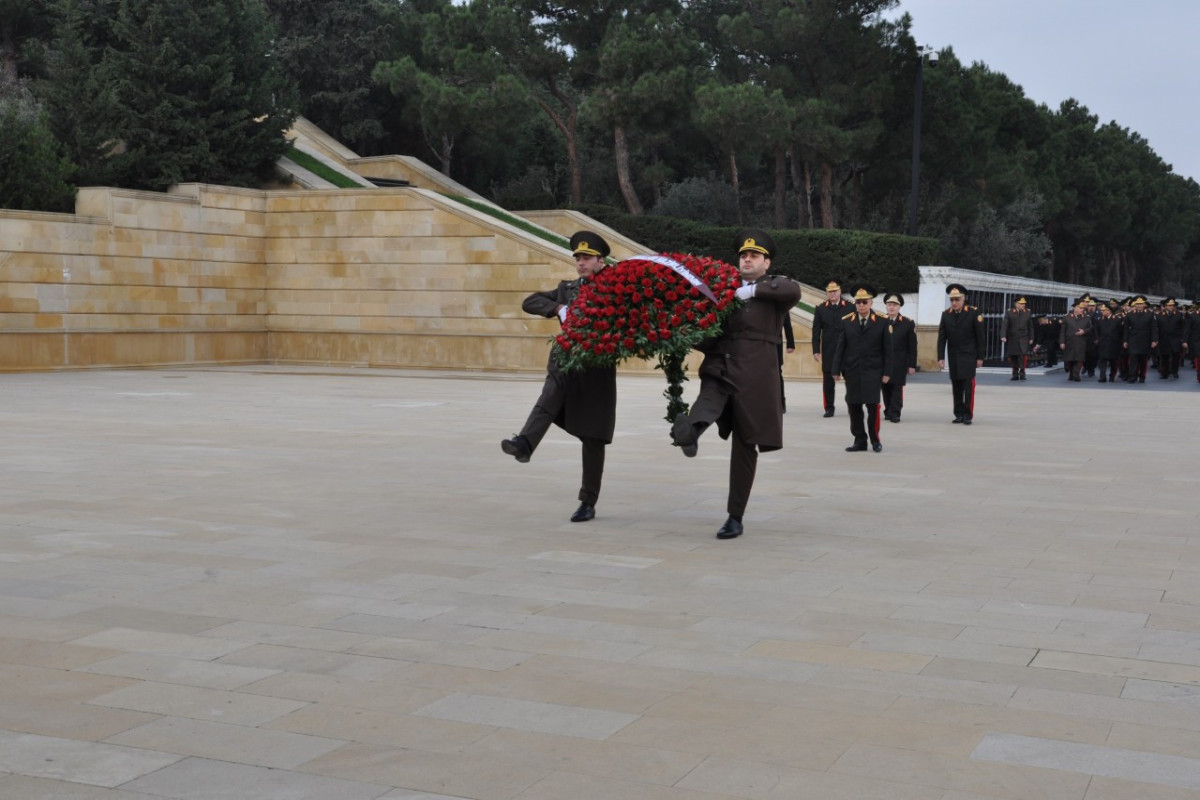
329, 48
199, 95
33, 170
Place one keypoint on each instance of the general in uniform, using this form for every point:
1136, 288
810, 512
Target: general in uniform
904, 356
1141, 337
581, 402
739, 376
1016, 332
961, 345
826, 326
863, 359
1073, 339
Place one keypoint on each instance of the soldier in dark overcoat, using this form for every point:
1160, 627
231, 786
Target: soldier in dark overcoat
1170, 339
739, 376
1108, 333
1191, 337
904, 356
1016, 332
1073, 339
581, 402
863, 359
826, 326
961, 344
1141, 337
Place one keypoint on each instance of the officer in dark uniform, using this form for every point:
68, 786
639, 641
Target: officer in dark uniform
1170, 339
739, 377
1191, 337
863, 358
1016, 332
826, 327
1141, 337
904, 356
1073, 339
1108, 335
581, 402
961, 344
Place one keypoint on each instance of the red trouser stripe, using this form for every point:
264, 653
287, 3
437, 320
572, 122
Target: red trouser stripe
971, 398
875, 421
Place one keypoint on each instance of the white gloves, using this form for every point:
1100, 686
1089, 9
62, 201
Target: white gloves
562, 314
745, 292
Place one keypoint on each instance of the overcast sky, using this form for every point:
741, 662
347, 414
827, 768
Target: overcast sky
1133, 61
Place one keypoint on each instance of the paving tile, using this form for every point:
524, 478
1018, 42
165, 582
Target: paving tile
184, 671
482, 778
203, 779
223, 742
22, 787
205, 704
165, 644
75, 761
320, 662
1109, 762
385, 728
588, 723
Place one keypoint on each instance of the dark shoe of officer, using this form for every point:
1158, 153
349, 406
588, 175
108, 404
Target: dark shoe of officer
958, 419
731, 529
856, 447
517, 447
1015, 377
877, 447
684, 435
829, 412
1022, 374
585, 512
967, 420
1103, 379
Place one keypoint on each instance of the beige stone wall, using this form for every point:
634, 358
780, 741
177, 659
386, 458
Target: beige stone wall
212, 275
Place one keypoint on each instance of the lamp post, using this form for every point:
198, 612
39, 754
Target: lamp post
922, 52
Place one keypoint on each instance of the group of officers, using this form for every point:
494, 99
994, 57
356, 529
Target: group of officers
1123, 339
872, 354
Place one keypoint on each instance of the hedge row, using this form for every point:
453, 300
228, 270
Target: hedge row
886, 261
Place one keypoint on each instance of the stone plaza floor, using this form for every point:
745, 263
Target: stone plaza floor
271, 583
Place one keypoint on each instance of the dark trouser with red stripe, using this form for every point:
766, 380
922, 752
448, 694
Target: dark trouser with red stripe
1168, 364
827, 384
862, 428
964, 397
893, 401
1137, 367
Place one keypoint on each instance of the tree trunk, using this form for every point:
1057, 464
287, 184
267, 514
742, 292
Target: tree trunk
798, 184
737, 187
621, 152
568, 129
808, 193
446, 154
826, 196
780, 185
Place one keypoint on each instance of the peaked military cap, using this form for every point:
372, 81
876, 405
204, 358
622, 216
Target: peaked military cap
833, 285
1020, 300
863, 291
589, 244
1170, 301
755, 240
1140, 300
956, 290
894, 297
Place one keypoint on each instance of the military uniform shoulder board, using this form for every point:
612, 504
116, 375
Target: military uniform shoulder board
848, 316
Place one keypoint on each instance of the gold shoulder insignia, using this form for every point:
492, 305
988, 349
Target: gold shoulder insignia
848, 316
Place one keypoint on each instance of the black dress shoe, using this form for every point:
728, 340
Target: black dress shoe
958, 419
731, 529
1015, 377
877, 447
517, 447
1023, 375
829, 412
967, 420
583, 513
684, 435
856, 447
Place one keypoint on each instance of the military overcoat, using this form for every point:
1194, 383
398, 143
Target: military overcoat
961, 341
863, 357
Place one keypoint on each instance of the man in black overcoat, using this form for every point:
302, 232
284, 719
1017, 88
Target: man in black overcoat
1141, 337
961, 344
826, 327
904, 356
581, 402
863, 359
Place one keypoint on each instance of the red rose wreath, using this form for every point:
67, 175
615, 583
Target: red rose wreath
648, 307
